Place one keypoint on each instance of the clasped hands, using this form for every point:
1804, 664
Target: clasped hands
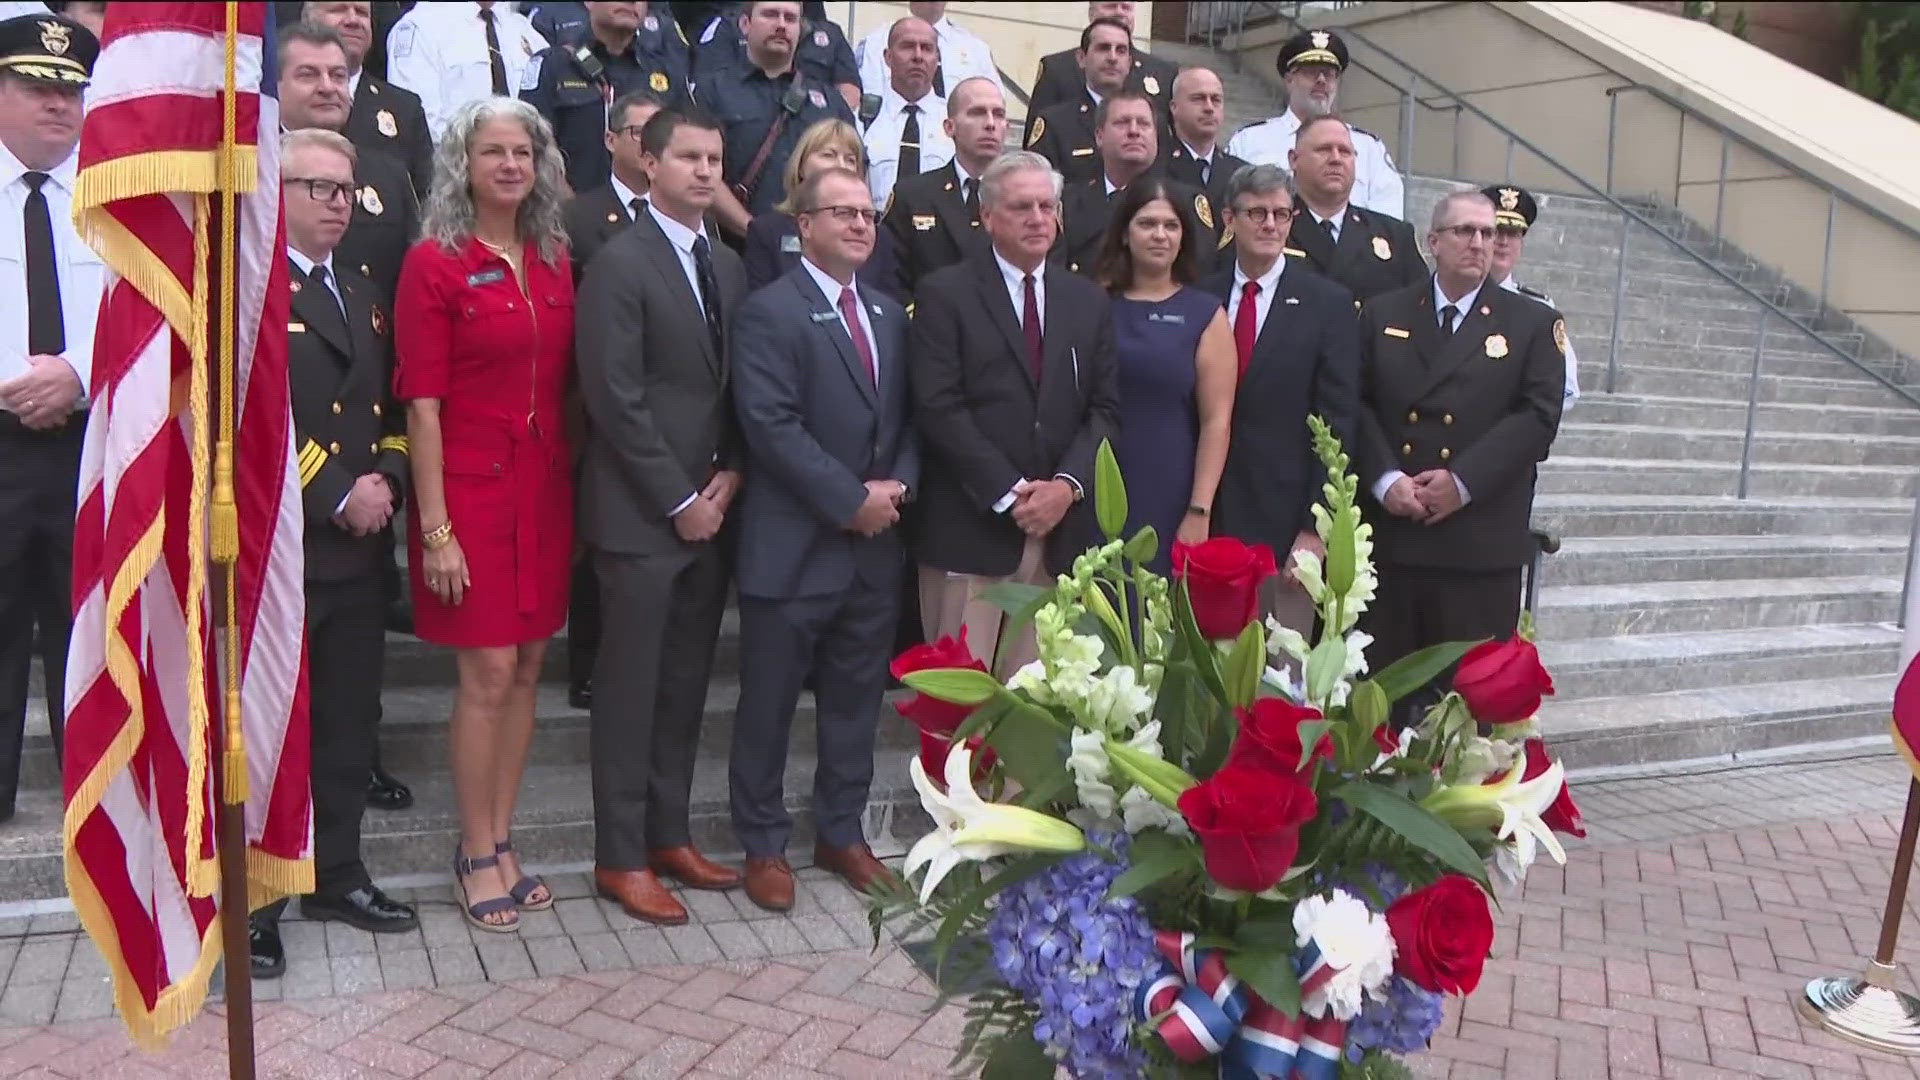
881, 509
700, 521
42, 396
1038, 505
1428, 498
369, 506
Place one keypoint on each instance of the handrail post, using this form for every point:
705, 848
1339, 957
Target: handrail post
1826, 254
1906, 583
1510, 144
1619, 304
1407, 99
1753, 403
1720, 193
1613, 116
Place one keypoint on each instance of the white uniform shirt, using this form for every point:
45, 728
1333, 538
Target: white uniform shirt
962, 56
439, 51
1376, 180
82, 275
883, 140
1572, 392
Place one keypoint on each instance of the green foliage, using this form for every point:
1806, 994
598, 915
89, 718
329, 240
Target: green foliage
1245, 665
962, 686
1411, 672
1376, 1065
1156, 856
1888, 70
1109, 492
1016, 1056
1412, 824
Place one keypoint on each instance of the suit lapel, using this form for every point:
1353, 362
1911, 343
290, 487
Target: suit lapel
664, 260
1355, 241
1057, 360
1307, 236
366, 343
1280, 316
824, 315
950, 206
318, 320
993, 293
1469, 340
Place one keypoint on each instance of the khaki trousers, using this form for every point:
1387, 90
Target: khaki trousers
949, 601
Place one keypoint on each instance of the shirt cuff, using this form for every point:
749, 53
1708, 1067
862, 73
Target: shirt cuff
1007, 499
338, 510
1461, 485
84, 374
1078, 491
1386, 481
684, 503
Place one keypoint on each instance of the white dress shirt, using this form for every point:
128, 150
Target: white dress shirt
1376, 180
626, 195
1015, 279
1462, 307
81, 273
682, 239
1269, 283
883, 136
962, 56
439, 51
831, 289
1572, 392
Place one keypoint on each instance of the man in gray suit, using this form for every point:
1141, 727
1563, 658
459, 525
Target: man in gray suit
660, 472
820, 384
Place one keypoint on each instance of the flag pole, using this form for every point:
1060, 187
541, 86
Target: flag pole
1872, 1010
224, 538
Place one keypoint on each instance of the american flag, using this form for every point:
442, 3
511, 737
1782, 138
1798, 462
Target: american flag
146, 670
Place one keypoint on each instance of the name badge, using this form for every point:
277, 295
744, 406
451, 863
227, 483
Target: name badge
789, 243
924, 222
487, 277
296, 328
1176, 320
824, 317
1083, 153
1394, 331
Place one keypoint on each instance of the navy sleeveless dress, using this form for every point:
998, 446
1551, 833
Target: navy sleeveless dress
1159, 418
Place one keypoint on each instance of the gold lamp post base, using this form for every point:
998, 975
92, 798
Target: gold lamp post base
1868, 1011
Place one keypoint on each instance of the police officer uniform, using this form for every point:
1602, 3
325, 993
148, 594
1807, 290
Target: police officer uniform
1368, 252
52, 281
822, 53
1060, 79
903, 139
454, 53
595, 216
1376, 179
1087, 213
1063, 134
346, 424
963, 56
1210, 174
750, 106
389, 120
1481, 401
934, 219
1515, 208
556, 22
385, 221
578, 78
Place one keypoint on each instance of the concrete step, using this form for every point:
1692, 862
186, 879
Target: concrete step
1857, 421
1609, 667
1639, 729
1624, 560
553, 823
1626, 476
1733, 386
1573, 515
1649, 349
1662, 442
1568, 612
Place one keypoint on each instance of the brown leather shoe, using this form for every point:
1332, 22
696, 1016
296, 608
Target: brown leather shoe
692, 869
770, 882
856, 864
640, 895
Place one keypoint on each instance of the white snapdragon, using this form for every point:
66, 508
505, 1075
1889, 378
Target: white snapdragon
1089, 764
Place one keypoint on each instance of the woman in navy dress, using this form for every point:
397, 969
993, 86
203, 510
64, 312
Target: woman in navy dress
1177, 366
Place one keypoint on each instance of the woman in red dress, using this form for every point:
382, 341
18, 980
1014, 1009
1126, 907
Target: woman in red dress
484, 333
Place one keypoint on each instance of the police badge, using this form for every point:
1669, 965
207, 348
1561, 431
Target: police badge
1322, 39
56, 38
657, 81
370, 200
1382, 249
818, 99
819, 39
384, 121
1151, 85
652, 23
1509, 198
1496, 346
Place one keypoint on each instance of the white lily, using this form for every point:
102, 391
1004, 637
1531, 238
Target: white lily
1511, 806
967, 828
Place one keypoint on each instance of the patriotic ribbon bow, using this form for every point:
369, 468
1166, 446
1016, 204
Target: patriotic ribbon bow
1209, 1012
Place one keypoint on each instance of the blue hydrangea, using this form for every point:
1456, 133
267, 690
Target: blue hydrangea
1079, 958
1404, 1023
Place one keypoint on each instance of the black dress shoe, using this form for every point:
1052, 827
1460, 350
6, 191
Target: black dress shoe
580, 694
265, 955
365, 908
384, 792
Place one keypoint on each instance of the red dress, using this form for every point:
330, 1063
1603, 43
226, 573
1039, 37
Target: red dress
498, 358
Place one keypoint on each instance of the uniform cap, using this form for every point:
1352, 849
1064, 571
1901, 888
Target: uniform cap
1313, 47
1512, 206
48, 48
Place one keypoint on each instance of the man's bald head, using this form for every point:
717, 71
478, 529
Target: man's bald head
912, 55
1199, 104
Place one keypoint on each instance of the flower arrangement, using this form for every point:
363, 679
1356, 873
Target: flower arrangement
1156, 853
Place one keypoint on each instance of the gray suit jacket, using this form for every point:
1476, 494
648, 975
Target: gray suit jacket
654, 388
816, 430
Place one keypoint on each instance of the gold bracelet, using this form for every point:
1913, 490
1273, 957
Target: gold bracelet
437, 538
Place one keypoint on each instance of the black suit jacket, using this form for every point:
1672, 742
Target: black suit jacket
1376, 253
817, 429
655, 389
929, 226
1063, 134
385, 222
1484, 404
346, 422
1306, 362
1060, 79
1086, 214
1177, 163
984, 423
389, 119
592, 218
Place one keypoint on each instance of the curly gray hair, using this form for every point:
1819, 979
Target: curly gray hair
449, 217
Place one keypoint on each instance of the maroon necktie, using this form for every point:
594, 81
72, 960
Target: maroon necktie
1245, 326
1030, 322
850, 311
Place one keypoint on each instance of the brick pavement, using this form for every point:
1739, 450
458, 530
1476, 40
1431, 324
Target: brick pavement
1671, 946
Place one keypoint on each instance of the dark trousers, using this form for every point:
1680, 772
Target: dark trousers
38, 474
583, 622
661, 621
844, 640
1418, 606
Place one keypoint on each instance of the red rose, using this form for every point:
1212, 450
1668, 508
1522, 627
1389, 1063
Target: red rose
1502, 681
1270, 736
1562, 816
1443, 934
1248, 820
930, 713
1223, 579
934, 748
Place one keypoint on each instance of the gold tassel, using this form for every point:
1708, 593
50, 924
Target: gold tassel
226, 512
234, 790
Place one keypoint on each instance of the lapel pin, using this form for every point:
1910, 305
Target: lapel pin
1485, 310
1292, 300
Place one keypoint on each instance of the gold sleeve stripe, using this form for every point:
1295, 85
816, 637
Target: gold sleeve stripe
312, 458
394, 442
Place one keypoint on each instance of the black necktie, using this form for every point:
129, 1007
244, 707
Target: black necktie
635, 207
1331, 235
972, 189
709, 289
910, 144
46, 325
940, 79
336, 316
1447, 315
495, 62
1206, 171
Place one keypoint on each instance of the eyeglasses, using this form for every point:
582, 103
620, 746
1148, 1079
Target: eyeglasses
631, 131
1468, 232
1509, 232
324, 191
847, 215
1260, 215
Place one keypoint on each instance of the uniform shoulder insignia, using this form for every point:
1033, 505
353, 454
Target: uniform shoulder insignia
1036, 129
1204, 209
1560, 335
1226, 237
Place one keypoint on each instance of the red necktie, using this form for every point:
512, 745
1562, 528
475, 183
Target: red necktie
1245, 324
850, 311
1030, 322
